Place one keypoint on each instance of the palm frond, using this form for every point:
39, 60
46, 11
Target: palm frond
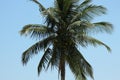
83, 4
78, 65
34, 49
79, 8
97, 27
41, 7
67, 9
52, 18
102, 27
76, 17
79, 27
36, 30
75, 24
88, 27
44, 60
90, 11
84, 40
54, 61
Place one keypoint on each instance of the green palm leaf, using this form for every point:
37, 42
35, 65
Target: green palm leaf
54, 61
84, 4
75, 24
41, 7
102, 27
36, 30
84, 40
91, 27
90, 11
44, 60
52, 18
78, 65
34, 49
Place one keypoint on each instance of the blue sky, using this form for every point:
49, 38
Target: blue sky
15, 14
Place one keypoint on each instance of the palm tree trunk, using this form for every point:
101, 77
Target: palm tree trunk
62, 66
63, 70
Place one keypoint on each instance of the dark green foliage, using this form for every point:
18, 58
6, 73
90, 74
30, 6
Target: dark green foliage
68, 25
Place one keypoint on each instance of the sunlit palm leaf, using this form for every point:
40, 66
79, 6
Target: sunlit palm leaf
52, 18
36, 30
76, 17
75, 24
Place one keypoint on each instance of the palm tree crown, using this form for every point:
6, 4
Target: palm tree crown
67, 26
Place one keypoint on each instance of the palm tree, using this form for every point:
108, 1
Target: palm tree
67, 25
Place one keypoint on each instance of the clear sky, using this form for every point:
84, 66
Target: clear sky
14, 14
